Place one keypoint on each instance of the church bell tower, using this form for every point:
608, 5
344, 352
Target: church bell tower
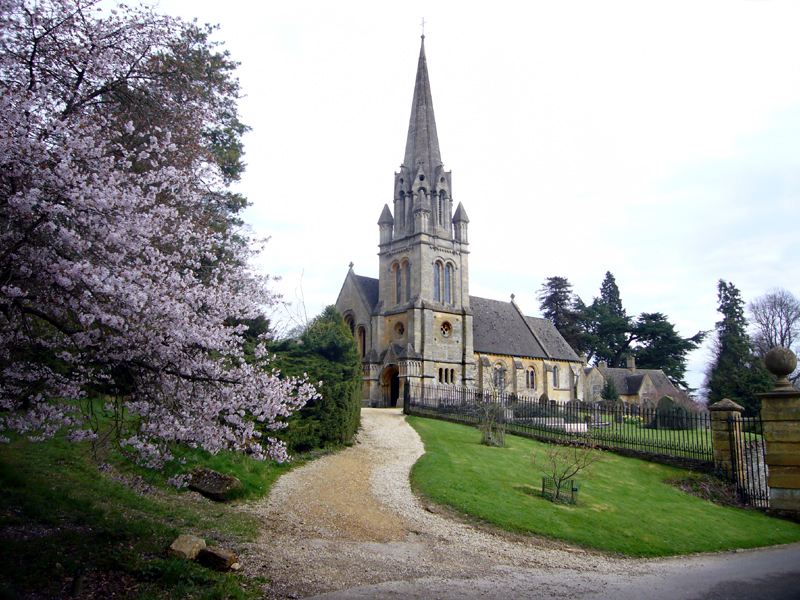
423, 318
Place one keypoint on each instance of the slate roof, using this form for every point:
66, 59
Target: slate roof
500, 328
664, 386
370, 287
629, 382
556, 345
626, 382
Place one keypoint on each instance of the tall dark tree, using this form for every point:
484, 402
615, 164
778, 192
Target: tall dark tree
735, 372
562, 307
606, 324
609, 296
611, 335
661, 347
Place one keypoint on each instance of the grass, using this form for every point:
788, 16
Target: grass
624, 507
689, 443
60, 512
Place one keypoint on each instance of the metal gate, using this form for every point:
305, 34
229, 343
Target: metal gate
749, 471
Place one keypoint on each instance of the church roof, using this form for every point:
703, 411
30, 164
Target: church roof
370, 287
500, 328
422, 145
553, 341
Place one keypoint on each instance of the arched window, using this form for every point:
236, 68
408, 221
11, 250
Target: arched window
555, 376
408, 281
448, 273
362, 341
398, 284
441, 375
499, 377
400, 214
530, 378
437, 275
452, 375
351, 323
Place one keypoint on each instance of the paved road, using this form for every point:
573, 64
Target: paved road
764, 574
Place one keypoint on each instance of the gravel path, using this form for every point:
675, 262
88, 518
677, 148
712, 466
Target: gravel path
350, 519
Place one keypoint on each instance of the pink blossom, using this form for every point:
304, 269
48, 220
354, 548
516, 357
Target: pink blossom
112, 282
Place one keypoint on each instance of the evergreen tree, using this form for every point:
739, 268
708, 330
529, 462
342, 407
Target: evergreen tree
610, 334
735, 371
609, 296
607, 324
327, 351
562, 307
661, 347
609, 391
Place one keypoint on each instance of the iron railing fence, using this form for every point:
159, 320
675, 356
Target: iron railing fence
748, 469
673, 433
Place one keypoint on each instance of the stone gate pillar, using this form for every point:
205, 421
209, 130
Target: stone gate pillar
726, 435
780, 412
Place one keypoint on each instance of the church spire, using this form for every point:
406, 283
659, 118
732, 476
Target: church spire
422, 146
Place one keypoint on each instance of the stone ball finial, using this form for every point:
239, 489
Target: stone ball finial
781, 362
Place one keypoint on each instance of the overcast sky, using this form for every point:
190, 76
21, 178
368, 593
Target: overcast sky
656, 140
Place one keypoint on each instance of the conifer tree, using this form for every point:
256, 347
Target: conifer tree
609, 391
609, 335
607, 324
735, 371
563, 308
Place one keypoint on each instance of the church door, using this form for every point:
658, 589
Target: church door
394, 389
391, 386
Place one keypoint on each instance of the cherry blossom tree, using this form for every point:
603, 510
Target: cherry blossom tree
116, 278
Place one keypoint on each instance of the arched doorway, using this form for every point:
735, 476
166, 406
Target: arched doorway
391, 385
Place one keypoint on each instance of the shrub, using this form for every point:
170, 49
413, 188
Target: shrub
328, 353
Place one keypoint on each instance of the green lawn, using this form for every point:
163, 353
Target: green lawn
624, 507
690, 443
60, 512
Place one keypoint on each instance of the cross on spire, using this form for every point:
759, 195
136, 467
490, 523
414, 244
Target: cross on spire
423, 27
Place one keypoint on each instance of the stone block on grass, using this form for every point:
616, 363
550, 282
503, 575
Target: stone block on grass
186, 547
216, 558
213, 484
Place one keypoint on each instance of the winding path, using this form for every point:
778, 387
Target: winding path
348, 526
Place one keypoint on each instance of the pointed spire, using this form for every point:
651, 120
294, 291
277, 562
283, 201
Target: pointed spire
461, 214
386, 216
422, 146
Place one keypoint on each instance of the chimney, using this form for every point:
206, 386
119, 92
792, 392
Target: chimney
602, 364
631, 364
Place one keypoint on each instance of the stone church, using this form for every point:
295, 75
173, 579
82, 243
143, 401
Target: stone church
417, 322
